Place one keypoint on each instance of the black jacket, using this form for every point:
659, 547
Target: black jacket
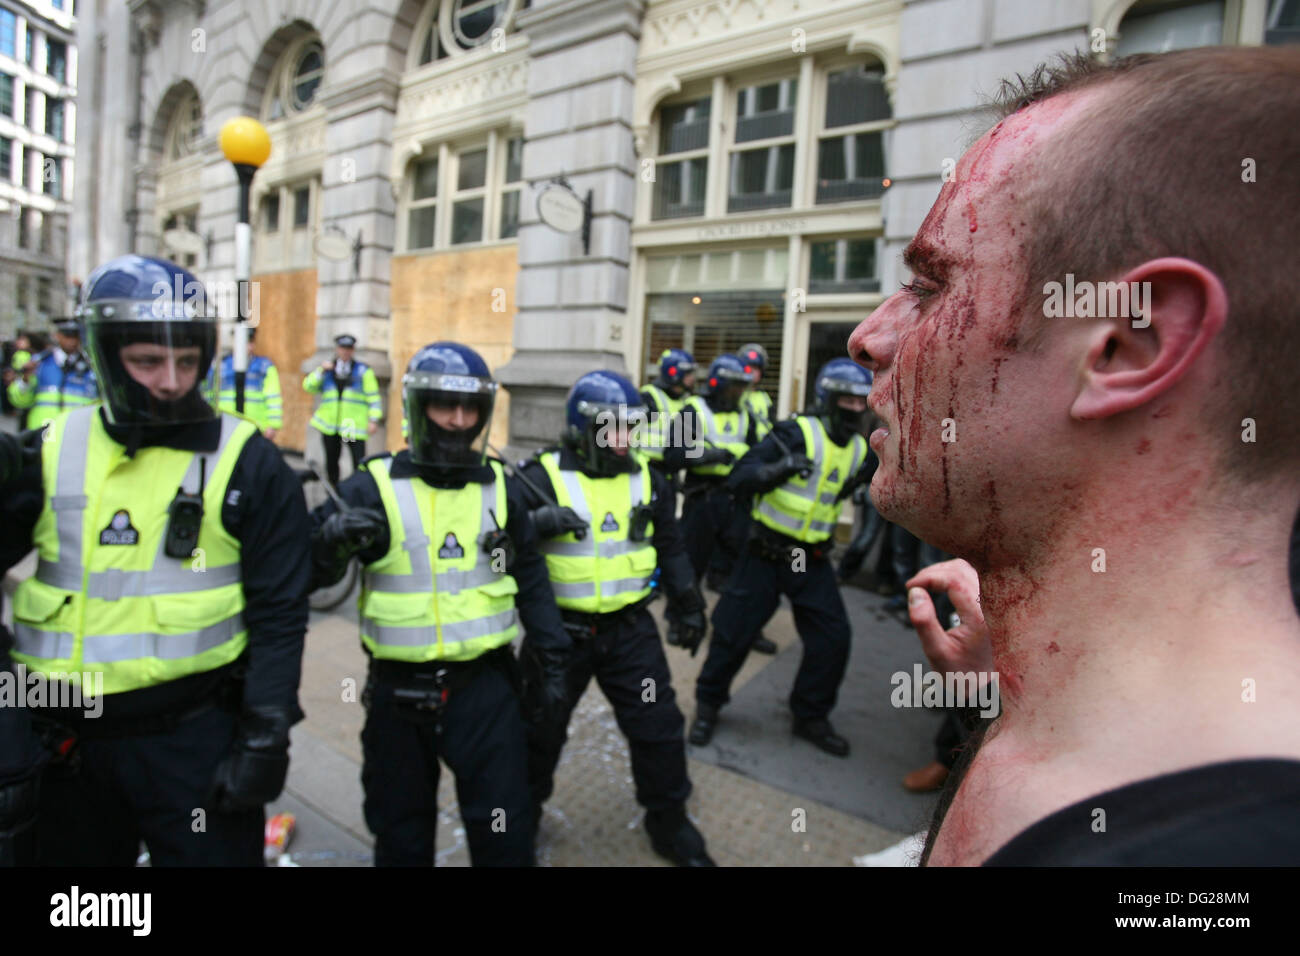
266, 513
676, 574
535, 600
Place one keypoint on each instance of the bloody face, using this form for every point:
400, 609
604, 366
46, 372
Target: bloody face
972, 422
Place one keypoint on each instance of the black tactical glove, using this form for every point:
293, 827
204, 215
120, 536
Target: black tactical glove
545, 672
253, 774
710, 456
17, 452
686, 613
554, 520
854, 555
781, 469
18, 801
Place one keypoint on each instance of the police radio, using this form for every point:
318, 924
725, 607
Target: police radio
642, 515
499, 538
184, 519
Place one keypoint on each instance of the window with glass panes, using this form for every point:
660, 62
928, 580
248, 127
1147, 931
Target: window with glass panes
307, 77
510, 189
8, 32
6, 159
271, 212
6, 95
29, 109
422, 217
478, 187
843, 265
56, 59
681, 171
471, 194
54, 111
53, 176
301, 207
850, 145
21, 288
1283, 23
761, 173
28, 55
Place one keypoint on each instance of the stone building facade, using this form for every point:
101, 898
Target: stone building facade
753, 168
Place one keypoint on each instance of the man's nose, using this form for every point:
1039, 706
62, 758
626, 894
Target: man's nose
874, 341
458, 416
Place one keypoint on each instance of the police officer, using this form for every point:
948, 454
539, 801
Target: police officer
717, 431
606, 520
174, 553
56, 380
262, 401
666, 396
756, 401
21, 755
451, 570
801, 474
349, 395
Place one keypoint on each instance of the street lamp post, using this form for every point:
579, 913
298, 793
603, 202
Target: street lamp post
245, 142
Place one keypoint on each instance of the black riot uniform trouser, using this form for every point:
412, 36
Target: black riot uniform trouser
710, 523
749, 601
622, 654
111, 792
333, 448
479, 735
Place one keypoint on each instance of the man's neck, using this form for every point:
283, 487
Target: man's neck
1183, 651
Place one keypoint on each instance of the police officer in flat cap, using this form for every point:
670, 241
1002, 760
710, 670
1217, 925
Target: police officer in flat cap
349, 409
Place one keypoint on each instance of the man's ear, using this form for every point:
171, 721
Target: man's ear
1131, 361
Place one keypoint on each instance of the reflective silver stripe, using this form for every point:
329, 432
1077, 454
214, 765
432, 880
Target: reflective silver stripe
828, 498
809, 491
710, 429
582, 549
166, 575
576, 589
577, 500
622, 585
112, 648
70, 487
766, 509
422, 634
114, 584
421, 578
821, 526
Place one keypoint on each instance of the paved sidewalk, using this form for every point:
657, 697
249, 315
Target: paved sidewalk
593, 818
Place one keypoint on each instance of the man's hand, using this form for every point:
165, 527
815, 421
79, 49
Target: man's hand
254, 772
372, 427
328, 366
353, 530
854, 555
687, 612
783, 468
711, 456
961, 649
270, 433
554, 520
546, 682
16, 452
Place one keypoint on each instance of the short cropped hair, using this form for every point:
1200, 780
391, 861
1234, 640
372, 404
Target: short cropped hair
1192, 153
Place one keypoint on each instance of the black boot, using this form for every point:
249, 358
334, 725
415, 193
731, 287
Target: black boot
675, 838
823, 735
702, 727
763, 645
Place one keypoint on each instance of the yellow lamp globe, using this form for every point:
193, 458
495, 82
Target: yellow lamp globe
245, 142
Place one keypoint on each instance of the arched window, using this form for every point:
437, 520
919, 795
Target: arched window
296, 78
184, 129
1158, 26
451, 27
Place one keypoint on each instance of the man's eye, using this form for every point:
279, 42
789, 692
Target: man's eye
916, 289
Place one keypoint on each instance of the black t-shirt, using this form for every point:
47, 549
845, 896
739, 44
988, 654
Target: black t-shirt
1240, 813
